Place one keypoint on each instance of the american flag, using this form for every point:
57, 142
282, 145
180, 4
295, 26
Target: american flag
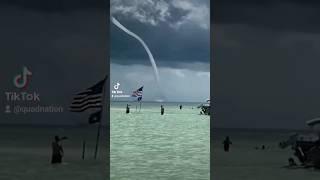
89, 99
138, 93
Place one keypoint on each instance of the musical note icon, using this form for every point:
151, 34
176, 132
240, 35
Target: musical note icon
116, 86
21, 80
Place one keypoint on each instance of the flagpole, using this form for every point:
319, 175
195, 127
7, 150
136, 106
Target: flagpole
99, 126
83, 149
84, 142
140, 107
97, 141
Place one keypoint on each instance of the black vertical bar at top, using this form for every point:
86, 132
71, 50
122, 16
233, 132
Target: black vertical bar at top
107, 87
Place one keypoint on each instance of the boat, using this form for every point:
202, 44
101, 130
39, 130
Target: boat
205, 108
306, 146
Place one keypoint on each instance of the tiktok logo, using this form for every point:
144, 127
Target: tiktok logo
116, 93
21, 80
116, 86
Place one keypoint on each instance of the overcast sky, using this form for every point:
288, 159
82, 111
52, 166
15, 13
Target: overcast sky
266, 63
63, 43
266, 55
177, 33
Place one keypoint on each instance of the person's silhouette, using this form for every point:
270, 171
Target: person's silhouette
57, 150
162, 110
128, 109
226, 144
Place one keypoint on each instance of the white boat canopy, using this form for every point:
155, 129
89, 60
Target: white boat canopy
313, 122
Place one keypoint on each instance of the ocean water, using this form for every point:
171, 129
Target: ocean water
245, 162
148, 146
25, 153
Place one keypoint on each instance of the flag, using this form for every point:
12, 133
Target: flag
138, 93
95, 117
90, 98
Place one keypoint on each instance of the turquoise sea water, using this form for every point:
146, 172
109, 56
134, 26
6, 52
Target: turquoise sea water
148, 146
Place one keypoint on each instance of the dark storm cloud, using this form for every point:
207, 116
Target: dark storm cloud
171, 31
155, 11
66, 52
177, 33
287, 15
56, 5
266, 57
168, 46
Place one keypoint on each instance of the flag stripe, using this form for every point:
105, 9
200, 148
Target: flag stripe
88, 98
80, 96
86, 103
85, 107
82, 110
84, 92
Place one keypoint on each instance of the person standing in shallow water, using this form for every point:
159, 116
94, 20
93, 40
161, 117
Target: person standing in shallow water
57, 150
226, 144
180, 106
127, 109
162, 110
